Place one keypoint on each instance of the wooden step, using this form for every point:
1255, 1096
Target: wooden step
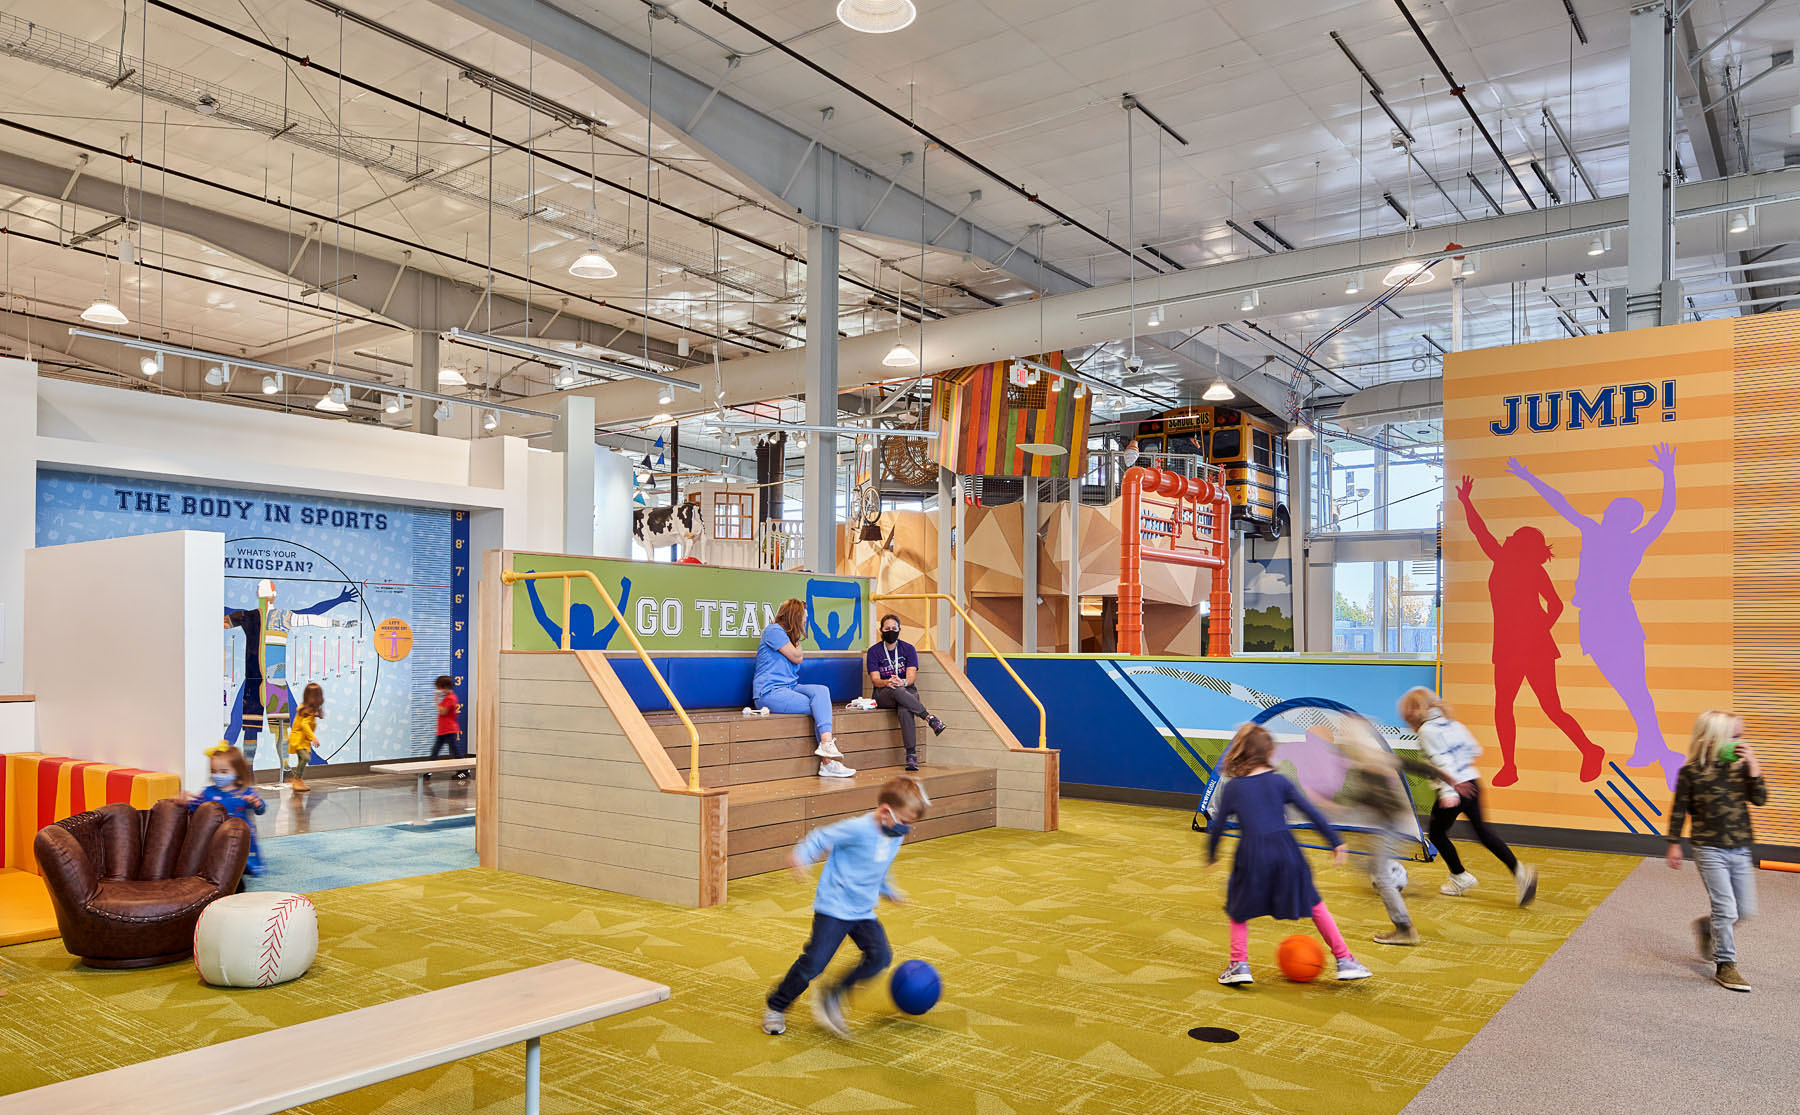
767, 818
764, 749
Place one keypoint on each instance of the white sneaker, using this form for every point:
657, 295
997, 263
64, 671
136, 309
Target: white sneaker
774, 1022
1458, 884
1526, 881
1239, 972
831, 768
828, 1011
749, 711
1348, 969
827, 750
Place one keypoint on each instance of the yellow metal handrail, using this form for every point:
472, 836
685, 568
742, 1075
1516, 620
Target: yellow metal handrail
511, 576
1043, 719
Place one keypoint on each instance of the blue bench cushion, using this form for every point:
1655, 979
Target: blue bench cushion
723, 681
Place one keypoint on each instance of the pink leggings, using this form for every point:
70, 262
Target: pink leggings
1240, 936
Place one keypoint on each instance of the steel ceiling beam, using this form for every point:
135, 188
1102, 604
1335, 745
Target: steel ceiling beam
753, 146
420, 300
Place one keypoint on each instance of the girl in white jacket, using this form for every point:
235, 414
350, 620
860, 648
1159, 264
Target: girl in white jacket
1451, 748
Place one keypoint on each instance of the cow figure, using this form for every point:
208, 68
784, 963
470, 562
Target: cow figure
656, 527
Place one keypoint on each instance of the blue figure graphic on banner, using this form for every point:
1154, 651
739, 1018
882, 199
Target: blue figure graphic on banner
835, 595
265, 687
582, 635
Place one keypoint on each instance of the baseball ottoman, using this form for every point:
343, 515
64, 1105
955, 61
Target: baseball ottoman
256, 939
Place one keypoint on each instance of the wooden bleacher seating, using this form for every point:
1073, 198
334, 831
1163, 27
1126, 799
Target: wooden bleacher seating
776, 795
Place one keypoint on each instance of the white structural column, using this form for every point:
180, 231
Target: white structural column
820, 485
1073, 534
574, 439
1028, 595
1300, 485
426, 362
1650, 205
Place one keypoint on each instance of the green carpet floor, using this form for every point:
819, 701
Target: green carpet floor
1074, 963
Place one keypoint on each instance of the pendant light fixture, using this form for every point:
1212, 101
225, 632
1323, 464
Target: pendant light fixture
876, 17
1218, 391
335, 401
1408, 269
102, 311
1301, 431
591, 264
899, 356
450, 377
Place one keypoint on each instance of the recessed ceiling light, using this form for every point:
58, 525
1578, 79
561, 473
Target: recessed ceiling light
876, 17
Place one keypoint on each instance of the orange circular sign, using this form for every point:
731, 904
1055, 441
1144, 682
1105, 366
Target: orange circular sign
393, 639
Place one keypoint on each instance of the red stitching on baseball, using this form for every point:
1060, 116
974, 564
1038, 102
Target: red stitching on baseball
274, 932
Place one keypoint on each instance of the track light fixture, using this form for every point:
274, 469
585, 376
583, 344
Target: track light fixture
335, 401
1251, 300
666, 396
1354, 284
391, 404
1739, 221
149, 365
219, 375
490, 421
271, 385
441, 412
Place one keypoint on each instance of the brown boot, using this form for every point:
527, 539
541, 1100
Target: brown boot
299, 786
1727, 977
1399, 935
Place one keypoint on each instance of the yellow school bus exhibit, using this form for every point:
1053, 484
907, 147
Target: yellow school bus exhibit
1251, 452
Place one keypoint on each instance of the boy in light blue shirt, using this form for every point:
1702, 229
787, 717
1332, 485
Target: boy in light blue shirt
857, 854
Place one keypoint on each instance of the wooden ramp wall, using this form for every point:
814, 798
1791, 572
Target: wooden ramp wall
587, 793
1027, 781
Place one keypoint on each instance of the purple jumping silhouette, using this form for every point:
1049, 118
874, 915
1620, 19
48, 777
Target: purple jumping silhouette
1611, 634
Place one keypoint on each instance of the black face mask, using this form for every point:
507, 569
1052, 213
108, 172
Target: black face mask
890, 636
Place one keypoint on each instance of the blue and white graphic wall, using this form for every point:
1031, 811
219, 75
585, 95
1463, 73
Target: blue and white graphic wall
343, 568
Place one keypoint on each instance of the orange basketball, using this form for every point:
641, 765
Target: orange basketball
1300, 958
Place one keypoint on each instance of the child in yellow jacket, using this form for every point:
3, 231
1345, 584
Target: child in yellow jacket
305, 733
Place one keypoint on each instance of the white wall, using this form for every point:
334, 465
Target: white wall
122, 644
613, 488
18, 727
18, 511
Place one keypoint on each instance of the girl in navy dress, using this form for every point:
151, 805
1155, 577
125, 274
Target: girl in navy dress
1269, 876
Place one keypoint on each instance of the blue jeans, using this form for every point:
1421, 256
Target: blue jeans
827, 934
1730, 878
815, 699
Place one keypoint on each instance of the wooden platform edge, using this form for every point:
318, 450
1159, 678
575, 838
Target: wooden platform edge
1052, 760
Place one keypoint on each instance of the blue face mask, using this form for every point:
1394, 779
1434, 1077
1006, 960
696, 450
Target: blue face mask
895, 829
224, 781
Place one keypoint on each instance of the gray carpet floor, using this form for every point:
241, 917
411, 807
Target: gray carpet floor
1625, 1018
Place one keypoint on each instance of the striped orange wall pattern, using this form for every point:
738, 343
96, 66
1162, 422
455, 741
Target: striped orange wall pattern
1664, 612
39, 790
981, 424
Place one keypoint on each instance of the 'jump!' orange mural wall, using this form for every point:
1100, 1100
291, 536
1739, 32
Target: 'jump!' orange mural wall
1622, 552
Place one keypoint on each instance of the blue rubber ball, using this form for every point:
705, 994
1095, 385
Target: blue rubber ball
915, 987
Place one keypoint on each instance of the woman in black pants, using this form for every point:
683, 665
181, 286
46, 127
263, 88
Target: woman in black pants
893, 667
1451, 748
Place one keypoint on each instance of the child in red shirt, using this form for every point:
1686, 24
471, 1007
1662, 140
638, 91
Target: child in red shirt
449, 731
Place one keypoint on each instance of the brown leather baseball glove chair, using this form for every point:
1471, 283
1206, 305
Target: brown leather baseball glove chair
129, 884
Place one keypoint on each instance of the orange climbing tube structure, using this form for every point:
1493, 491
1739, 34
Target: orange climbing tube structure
1188, 522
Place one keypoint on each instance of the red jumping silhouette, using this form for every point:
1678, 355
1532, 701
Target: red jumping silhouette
1526, 607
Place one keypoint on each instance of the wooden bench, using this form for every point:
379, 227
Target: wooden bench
421, 769
776, 795
293, 1065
